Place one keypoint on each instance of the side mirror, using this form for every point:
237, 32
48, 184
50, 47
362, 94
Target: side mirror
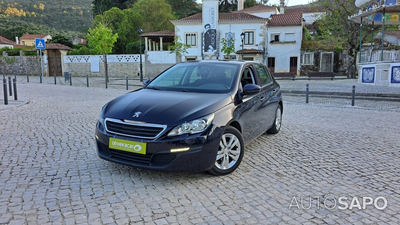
146, 82
251, 89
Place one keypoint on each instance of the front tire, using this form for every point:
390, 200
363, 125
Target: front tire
230, 152
276, 127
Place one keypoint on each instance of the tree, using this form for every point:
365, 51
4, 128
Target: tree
228, 46
150, 15
116, 20
179, 48
154, 15
231, 5
61, 39
337, 28
101, 6
102, 40
184, 8
181, 8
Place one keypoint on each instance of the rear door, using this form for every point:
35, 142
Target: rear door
268, 97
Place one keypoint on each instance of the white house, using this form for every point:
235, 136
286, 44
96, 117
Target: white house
230, 25
4, 42
284, 35
310, 13
267, 36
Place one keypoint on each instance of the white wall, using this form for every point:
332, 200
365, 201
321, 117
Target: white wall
310, 18
283, 51
160, 57
237, 29
265, 14
6, 45
182, 30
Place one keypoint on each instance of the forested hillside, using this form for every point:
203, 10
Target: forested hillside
69, 17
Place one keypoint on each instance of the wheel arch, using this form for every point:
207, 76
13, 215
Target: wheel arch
236, 125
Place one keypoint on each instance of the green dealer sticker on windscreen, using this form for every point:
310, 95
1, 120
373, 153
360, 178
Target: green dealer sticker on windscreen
128, 146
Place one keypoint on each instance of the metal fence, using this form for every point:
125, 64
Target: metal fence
376, 56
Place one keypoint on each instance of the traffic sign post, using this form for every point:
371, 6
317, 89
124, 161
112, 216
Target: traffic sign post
41, 45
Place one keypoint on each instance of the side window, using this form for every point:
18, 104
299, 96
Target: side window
247, 77
265, 76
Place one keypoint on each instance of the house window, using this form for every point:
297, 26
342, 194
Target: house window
275, 37
191, 39
308, 58
289, 37
248, 37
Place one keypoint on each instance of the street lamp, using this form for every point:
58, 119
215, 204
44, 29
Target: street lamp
140, 31
242, 36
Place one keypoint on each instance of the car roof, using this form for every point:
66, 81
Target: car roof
221, 61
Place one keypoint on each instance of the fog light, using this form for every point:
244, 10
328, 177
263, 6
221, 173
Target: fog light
179, 150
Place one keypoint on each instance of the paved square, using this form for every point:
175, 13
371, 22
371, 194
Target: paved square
326, 156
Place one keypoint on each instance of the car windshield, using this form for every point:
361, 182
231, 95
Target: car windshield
197, 77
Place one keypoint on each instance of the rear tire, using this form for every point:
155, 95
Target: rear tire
230, 152
276, 127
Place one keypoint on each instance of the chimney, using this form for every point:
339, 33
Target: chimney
240, 5
282, 9
17, 40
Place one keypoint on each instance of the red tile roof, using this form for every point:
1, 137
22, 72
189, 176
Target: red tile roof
258, 8
292, 19
222, 17
304, 9
57, 46
33, 36
4, 40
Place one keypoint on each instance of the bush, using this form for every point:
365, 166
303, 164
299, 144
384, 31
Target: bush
82, 51
16, 51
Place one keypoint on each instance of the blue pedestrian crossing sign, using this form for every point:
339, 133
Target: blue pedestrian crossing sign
40, 44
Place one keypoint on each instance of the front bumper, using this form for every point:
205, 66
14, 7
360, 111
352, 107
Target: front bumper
200, 156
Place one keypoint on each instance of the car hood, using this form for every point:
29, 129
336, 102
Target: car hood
165, 107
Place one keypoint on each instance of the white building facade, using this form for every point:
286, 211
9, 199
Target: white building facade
284, 34
253, 30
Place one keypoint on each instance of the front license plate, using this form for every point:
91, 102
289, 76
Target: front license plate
128, 146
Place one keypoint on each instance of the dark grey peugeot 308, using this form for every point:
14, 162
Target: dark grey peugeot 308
195, 116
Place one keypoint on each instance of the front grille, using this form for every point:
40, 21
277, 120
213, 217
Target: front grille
131, 129
163, 159
132, 157
157, 159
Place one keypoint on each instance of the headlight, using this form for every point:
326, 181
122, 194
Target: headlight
192, 127
101, 116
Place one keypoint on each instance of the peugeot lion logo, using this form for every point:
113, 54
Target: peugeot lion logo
137, 114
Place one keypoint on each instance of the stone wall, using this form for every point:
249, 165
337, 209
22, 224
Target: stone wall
118, 65
20, 65
82, 65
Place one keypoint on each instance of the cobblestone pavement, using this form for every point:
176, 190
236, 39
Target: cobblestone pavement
330, 164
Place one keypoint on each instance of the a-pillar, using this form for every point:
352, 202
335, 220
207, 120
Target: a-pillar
154, 45
145, 44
